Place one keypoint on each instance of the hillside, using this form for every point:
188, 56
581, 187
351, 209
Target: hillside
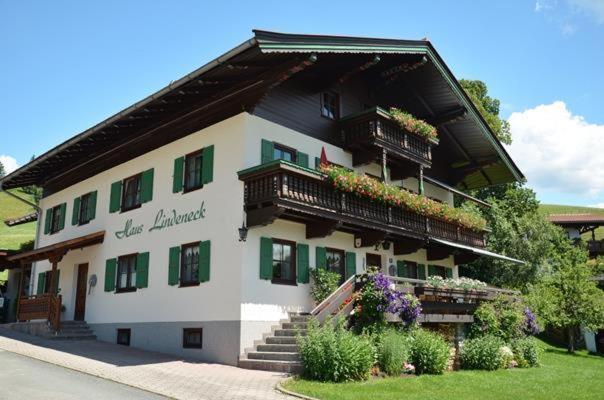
560, 209
11, 238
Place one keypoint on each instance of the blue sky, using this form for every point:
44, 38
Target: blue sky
68, 65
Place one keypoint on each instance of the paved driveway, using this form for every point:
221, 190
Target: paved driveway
154, 372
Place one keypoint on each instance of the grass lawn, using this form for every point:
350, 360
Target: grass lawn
559, 209
11, 238
560, 376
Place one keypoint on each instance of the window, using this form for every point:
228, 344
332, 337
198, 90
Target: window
189, 264
330, 105
55, 224
192, 338
85, 209
282, 152
47, 281
131, 195
411, 269
126, 273
437, 270
193, 171
335, 261
123, 337
284, 265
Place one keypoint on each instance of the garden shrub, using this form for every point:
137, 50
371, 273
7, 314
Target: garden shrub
429, 352
393, 351
525, 352
501, 317
332, 353
485, 321
324, 283
482, 353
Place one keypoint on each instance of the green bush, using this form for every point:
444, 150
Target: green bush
324, 283
393, 351
502, 318
332, 353
482, 353
429, 352
525, 352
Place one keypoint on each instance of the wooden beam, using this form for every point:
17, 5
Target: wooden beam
452, 115
368, 238
407, 246
321, 229
263, 216
376, 59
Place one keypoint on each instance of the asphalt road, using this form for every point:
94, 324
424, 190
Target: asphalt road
30, 379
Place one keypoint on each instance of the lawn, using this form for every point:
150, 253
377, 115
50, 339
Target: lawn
11, 238
559, 209
561, 376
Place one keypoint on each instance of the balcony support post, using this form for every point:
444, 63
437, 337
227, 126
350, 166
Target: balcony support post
420, 180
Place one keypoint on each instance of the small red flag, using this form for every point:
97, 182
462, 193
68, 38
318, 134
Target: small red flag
323, 157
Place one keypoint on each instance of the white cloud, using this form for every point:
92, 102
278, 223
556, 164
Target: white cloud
595, 8
599, 205
9, 163
558, 151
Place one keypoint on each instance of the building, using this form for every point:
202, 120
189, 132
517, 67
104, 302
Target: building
187, 223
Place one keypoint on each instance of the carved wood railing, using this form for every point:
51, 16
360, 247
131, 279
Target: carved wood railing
286, 185
335, 305
42, 306
376, 127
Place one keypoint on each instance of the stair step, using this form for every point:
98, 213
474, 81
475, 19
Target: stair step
290, 332
294, 325
281, 340
288, 348
273, 355
299, 318
292, 367
75, 330
73, 337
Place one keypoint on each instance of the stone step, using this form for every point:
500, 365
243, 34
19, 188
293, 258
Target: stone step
288, 348
292, 367
73, 337
74, 323
290, 332
281, 340
75, 330
273, 355
294, 325
299, 318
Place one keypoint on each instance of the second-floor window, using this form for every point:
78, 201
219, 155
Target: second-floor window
330, 105
126, 273
282, 152
55, 224
84, 209
131, 192
193, 163
189, 264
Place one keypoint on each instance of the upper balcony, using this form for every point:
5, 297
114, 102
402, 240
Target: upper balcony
284, 190
370, 132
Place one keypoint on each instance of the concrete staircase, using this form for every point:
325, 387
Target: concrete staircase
278, 351
69, 330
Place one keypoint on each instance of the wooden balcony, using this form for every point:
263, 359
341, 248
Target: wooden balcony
283, 190
368, 133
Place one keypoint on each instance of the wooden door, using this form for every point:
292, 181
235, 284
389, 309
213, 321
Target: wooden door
374, 260
80, 301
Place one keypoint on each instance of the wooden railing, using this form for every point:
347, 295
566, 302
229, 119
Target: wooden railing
336, 304
376, 127
309, 192
42, 306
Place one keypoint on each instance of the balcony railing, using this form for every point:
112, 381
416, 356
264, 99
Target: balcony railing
375, 127
43, 306
282, 189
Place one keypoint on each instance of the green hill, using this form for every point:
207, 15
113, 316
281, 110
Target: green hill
560, 209
12, 237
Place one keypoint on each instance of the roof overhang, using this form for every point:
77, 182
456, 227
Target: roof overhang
58, 250
476, 251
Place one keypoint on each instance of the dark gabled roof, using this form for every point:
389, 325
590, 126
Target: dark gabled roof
236, 81
577, 219
24, 219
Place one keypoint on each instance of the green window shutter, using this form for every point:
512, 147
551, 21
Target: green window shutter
351, 264
320, 257
317, 162
421, 272
110, 270
178, 177
115, 198
266, 258
92, 206
268, 151
174, 266
47, 221
401, 269
302, 260
62, 216
449, 272
57, 281
75, 215
41, 282
207, 164
432, 270
302, 159
147, 186
142, 270
204, 261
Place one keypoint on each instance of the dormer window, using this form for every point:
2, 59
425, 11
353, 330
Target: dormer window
330, 105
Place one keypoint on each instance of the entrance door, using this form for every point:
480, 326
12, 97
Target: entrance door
374, 260
80, 301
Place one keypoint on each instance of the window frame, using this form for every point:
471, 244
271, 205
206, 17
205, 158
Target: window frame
139, 178
285, 149
442, 271
413, 264
186, 344
127, 331
182, 265
185, 184
131, 284
342, 272
81, 214
336, 106
293, 267
55, 219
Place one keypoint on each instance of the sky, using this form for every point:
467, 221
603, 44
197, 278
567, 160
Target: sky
67, 65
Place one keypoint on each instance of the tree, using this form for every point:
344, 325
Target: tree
569, 297
488, 108
33, 190
2, 170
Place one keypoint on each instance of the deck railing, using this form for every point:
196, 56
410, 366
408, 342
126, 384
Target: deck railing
41, 306
309, 192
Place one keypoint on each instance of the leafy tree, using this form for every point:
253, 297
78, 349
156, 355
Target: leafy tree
33, 190
488, 108
569, 297
2, 170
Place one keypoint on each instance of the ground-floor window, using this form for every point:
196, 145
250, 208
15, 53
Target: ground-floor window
126, 273
335, 261
192, 338
437, 270
411, 269
284, 262
189, 264
123, 337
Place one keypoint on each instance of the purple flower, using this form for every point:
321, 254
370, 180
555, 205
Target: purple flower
530, 322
